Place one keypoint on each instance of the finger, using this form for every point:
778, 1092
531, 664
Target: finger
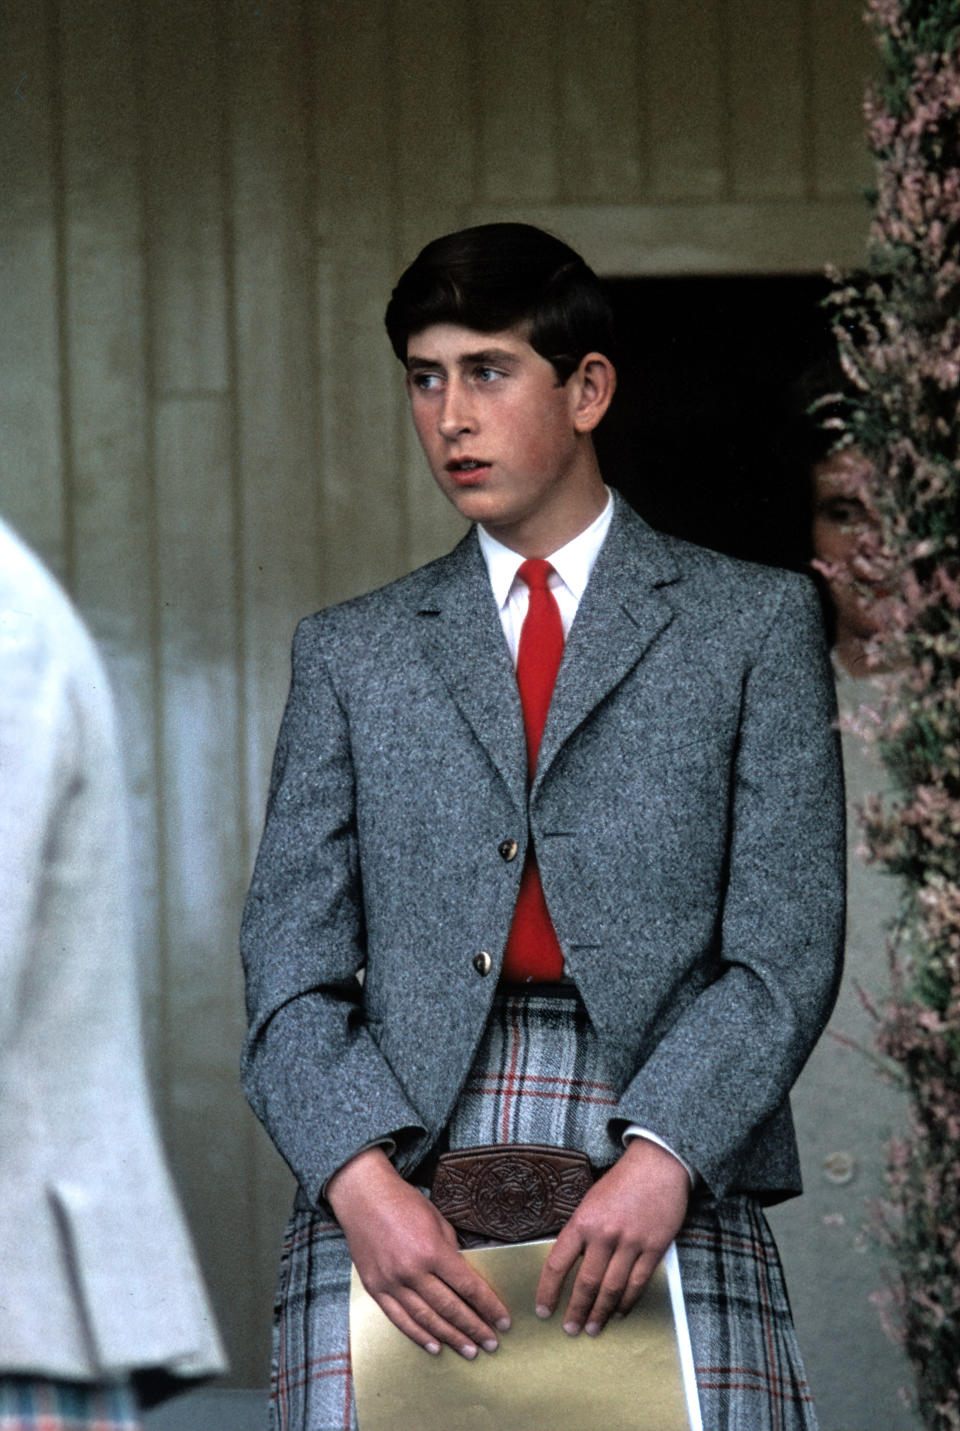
437, 1307
643, 1270
561, 1258
608, 1298
476, 1292
419, 1320
402, 1320
586, 1287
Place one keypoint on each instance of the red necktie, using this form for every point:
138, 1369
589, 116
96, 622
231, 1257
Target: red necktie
533, 954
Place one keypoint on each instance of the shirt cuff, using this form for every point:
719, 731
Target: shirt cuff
635, 1131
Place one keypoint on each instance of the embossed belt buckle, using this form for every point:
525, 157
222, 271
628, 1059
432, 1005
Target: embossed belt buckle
509, 1192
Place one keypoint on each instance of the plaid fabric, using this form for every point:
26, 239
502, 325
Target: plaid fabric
539, 1078
749, 1372
30, 1404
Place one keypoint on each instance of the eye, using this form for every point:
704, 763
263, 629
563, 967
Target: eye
846, 512
484, 374
425, 382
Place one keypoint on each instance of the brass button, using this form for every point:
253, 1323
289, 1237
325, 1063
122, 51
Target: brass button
482, 963
508, 849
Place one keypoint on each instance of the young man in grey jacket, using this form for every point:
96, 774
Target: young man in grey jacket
553, 855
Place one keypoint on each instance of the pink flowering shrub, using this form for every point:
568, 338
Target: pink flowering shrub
898, 330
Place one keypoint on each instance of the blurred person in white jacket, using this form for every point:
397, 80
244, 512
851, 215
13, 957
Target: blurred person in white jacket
102, 1307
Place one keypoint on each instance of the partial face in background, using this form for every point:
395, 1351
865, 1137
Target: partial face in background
845, 536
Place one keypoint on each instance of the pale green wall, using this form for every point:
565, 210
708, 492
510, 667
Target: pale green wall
201, 425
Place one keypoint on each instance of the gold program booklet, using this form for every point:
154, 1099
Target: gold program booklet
636, 1376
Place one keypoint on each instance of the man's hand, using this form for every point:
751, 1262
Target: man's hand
406, 1255
622, 1227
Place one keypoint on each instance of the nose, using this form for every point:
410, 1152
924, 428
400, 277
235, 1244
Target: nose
456, 413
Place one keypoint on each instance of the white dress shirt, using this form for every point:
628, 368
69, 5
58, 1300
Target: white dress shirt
572, 565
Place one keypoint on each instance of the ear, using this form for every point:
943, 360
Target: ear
592, 385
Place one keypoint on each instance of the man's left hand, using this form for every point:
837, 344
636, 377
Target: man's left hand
623, 1226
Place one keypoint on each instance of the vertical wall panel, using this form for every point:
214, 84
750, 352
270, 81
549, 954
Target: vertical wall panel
275, 355
198, 711
516, 99
600, 81
434, 170
182, 49
105, 316
203, 854
769, 114
112, 493
433, 124
275, 462
180, 180
844, 59
364, 536
682, 95
31, 473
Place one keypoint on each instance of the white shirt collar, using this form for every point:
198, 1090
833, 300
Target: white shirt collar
572, 562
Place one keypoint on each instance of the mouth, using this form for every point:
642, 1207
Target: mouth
467, 471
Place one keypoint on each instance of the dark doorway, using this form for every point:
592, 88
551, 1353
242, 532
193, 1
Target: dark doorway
697, 439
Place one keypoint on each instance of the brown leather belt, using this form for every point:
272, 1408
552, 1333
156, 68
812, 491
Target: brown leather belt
509, 1192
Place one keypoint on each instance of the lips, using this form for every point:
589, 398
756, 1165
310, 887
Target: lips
467, 470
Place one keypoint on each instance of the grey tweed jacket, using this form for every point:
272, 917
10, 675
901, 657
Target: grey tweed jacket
687, 819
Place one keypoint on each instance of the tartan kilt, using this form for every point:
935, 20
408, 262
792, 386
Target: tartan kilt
32, 1403
539, 1077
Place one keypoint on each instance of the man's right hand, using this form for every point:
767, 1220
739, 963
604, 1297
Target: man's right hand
406, 1255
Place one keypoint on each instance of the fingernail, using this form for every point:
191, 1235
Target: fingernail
543, 1311
432, 1348
468, 1351
490, 1345
593, 1329
503, 1325
572, 1329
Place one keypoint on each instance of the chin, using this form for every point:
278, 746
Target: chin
473, 503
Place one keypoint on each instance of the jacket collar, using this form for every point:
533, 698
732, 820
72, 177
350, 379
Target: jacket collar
622, 612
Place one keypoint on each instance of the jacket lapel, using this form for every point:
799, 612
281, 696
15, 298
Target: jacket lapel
461, 635
622, 612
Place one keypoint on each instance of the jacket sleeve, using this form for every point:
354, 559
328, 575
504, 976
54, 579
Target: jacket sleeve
719, 1078
311, 1067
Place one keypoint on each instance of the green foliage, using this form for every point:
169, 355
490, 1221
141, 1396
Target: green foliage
898, 332
904, 32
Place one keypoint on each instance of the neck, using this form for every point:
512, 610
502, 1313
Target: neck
549, 528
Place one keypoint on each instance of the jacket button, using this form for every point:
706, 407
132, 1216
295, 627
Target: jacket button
508, 849
482, 963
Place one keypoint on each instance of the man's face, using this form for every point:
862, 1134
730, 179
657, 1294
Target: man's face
501, 434
845, 538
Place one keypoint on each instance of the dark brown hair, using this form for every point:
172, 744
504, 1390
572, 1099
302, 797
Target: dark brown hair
497, 276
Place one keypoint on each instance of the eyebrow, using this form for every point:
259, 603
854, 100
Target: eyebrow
499, 356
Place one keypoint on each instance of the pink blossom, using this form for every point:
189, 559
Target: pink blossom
898, 339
